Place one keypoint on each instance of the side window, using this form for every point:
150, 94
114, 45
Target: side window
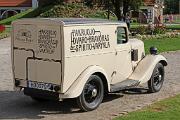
121, 35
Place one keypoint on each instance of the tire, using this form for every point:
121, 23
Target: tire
92, 94
156, 82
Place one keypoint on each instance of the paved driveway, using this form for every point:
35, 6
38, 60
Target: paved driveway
14, 105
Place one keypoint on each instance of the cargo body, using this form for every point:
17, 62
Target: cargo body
78, 58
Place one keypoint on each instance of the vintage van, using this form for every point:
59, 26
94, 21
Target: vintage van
78, 58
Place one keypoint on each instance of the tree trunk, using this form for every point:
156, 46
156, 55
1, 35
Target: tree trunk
125, 7
118, 4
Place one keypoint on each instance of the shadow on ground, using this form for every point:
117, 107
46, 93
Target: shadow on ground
15, 105
135, 91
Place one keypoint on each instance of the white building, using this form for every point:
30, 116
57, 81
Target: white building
152, 11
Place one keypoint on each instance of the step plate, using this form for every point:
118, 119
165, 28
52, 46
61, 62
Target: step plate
124, 85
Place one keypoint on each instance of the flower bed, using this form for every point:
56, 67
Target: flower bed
3, 32
2, 28
159, 36
150, 29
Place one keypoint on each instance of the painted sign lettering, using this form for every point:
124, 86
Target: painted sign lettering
47, 41
88, 39
24, 35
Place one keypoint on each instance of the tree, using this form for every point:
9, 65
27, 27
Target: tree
118, 5
49, 2
122, 7
131, 5
171, 6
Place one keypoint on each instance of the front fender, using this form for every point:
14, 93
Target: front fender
144, 70
76, 89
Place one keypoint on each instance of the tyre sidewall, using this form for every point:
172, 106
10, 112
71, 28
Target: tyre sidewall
151, 85
81, 99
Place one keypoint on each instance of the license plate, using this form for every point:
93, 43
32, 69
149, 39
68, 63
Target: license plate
41, 86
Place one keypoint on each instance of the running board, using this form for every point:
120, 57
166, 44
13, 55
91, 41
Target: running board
124, 85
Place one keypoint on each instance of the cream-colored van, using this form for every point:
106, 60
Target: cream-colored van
80, 58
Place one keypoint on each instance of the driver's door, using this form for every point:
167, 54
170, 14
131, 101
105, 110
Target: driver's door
123, 64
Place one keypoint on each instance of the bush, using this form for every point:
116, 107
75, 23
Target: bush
134, 20
142, 30
159, 30
147, 30
44, 3
4, 35
76, 10
2, 28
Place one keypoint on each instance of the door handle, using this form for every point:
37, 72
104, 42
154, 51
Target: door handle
116, 53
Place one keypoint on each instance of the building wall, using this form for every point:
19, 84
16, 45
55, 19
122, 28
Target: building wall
35, 3
152, 11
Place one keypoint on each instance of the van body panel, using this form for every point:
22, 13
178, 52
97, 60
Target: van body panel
86, 46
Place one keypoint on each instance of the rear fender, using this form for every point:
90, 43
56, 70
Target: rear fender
76, 89
144, 70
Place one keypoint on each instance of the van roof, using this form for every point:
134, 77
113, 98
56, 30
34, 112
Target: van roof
71, 21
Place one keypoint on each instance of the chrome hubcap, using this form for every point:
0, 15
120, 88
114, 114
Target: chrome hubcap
94, 92
160, 77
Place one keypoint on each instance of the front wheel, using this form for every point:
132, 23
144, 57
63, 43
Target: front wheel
157, 79
92, 94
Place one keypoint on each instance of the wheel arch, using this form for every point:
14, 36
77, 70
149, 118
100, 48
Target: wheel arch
104, 80
163, 62
146, 66
77, 87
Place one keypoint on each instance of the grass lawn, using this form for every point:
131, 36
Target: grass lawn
163, 45
168, 109
173, 26
136, 25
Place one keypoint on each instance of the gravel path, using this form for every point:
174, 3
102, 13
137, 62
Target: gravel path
14, 105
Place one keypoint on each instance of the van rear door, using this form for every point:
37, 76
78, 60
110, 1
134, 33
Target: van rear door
36, 48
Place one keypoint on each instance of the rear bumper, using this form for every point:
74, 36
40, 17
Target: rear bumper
44, 94
19, 83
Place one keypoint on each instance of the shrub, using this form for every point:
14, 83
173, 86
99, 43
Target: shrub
142, 30
159, 30
44, 3
75, 10
4, 35
134, 20
2, 28
147, 30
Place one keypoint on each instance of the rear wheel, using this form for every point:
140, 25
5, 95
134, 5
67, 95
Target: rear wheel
92, 94
157, 79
